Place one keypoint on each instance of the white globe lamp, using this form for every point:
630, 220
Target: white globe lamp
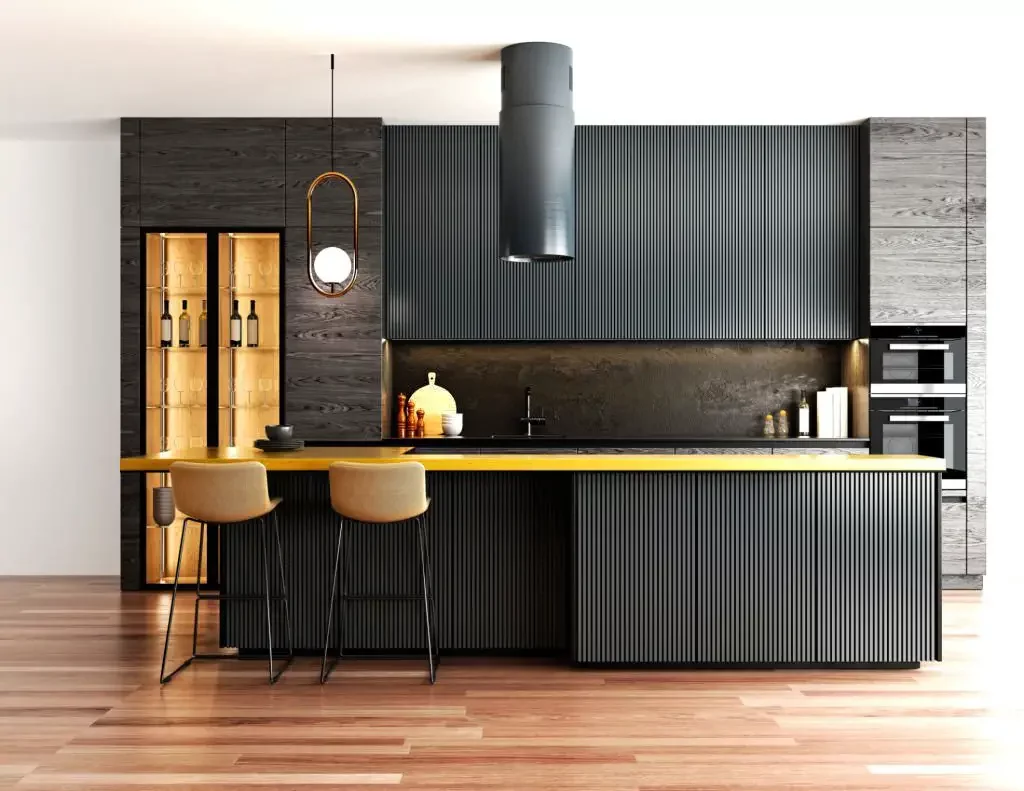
332, 266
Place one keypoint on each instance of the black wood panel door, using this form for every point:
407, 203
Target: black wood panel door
213, 171
683, 233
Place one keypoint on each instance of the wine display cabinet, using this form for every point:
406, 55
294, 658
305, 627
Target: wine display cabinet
213, 315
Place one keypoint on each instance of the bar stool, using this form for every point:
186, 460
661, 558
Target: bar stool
226, 494
383, 493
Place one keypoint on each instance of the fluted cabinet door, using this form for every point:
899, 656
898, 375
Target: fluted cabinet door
433, 213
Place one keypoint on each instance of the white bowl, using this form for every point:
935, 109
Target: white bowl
451, 423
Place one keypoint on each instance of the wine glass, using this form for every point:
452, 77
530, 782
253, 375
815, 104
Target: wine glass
196, 386
197, 269
179, 267
180, 385
265, 385
265, 267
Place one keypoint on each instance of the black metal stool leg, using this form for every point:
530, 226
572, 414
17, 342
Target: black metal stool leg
325, 671
426, 599
433, 599
266, 582
284, 586
170, 615
199, 571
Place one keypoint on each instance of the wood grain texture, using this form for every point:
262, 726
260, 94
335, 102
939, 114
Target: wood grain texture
963, 582
332, 367
823, 451
358, 152
81, 709
954, 538
130, 172
918, 275
213, 171
917, 172
132, 440
976, 180
856, 377
977, 360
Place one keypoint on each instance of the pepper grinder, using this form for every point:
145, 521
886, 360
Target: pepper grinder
421, 423
401, 415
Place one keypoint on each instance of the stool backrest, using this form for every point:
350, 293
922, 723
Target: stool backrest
221, 492
379, 492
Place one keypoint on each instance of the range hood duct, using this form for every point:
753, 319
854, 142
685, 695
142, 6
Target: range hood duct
536, 129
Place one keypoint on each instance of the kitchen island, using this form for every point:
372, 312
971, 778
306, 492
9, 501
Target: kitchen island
618, 559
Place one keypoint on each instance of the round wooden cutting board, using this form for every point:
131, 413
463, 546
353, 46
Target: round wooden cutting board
433, 400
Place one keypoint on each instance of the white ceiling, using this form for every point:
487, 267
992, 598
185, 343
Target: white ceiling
81, 60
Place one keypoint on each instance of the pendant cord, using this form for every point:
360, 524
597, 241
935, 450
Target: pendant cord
332, 111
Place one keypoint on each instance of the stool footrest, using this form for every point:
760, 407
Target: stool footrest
383, 597
236, 597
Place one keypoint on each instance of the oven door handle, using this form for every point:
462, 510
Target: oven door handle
919, 347
918, 418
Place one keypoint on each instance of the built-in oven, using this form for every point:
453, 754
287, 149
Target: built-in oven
923, 359
927, 425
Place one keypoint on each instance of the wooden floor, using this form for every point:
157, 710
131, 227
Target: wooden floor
80, 707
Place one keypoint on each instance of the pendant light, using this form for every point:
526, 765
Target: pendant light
332, 272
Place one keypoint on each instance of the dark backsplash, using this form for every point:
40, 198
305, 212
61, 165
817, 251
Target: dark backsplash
625, 390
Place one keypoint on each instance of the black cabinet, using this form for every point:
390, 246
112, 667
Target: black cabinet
683, 233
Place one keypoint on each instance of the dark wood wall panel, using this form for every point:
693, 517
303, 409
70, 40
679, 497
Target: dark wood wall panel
358, 150
131, 207
132, 440
213, 171
917, 172
673, 238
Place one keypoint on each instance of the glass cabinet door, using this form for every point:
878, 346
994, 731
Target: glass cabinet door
176, 382
249, 335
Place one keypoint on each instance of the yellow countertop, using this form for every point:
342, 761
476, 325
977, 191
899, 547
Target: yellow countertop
318, 459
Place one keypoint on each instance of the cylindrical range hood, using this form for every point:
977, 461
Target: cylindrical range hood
536, 130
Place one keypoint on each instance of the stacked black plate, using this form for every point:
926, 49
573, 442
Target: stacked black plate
279, 446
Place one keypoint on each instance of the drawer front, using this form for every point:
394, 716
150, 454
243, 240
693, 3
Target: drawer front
954, 537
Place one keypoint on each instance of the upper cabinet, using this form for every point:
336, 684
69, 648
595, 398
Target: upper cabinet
918, 172
212, 171
683, 233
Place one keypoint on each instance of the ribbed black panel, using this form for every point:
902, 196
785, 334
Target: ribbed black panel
754, 567
676, 568
524, 300
686, 232
877, 554
625, 276
634, 547
499, 545
811, 247
718, 235
434, 211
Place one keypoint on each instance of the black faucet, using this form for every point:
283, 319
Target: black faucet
529, 421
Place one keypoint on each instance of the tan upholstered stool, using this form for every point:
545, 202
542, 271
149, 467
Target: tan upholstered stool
381, 494
224, 494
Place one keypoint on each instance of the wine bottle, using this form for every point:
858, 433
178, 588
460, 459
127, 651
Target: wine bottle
184, 325
202, 327
165, 325
805, 415
236, 325
252, 326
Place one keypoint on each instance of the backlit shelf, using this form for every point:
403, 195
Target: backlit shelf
253, 292
251, 348
176, 406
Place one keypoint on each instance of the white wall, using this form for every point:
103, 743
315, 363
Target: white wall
59, 350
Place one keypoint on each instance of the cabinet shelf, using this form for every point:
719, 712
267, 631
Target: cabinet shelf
250, 348
177, 348
177, 406
253, 292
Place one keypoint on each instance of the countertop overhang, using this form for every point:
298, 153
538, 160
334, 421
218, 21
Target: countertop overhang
318, 459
